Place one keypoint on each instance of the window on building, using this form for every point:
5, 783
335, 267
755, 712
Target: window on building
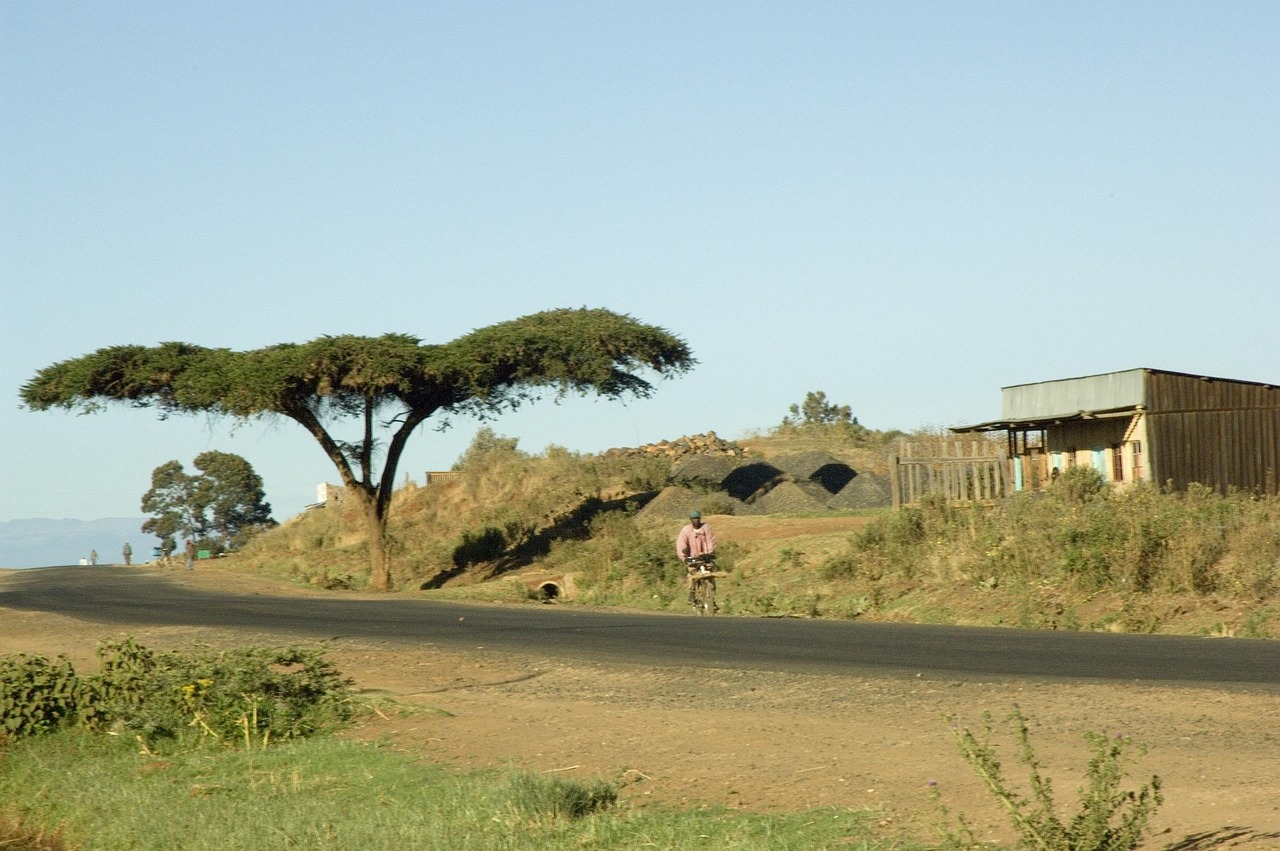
1137, 460
1117, 463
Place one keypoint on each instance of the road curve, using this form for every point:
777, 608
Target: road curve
114, 596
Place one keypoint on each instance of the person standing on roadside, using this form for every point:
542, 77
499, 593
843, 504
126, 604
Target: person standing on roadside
695, 539
190, 551
128, 554
93, 557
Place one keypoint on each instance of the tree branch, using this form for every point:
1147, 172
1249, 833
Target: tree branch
412, 419
305, 417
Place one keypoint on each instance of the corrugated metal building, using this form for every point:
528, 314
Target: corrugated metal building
1144, 425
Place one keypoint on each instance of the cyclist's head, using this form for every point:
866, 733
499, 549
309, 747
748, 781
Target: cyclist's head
695, 517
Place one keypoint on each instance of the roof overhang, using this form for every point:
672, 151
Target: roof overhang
1044, 422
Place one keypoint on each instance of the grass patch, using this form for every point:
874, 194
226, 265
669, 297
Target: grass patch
102, 792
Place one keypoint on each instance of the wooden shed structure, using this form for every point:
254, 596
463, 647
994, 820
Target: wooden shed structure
1144, 425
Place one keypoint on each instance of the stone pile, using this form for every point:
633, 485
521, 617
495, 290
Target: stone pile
696, 445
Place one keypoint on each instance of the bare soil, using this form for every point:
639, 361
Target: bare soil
778, 741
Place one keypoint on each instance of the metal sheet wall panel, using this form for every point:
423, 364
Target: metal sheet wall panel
1071, 395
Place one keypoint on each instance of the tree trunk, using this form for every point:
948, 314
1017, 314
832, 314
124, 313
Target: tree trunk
375, 527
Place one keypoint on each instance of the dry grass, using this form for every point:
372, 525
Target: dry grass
1133, 560
15, 835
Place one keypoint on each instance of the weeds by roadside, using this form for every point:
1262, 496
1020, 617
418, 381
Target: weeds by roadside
1108, 818
249, 696
1078, 540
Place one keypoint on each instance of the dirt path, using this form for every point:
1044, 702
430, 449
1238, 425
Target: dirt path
770, 741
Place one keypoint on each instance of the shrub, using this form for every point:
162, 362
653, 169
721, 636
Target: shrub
1108, 819
1136, 539
553, 798
36, 695
253, 694
621, 561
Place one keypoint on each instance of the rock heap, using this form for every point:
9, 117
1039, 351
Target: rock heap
696, 445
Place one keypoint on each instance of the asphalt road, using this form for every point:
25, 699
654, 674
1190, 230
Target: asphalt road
119, 596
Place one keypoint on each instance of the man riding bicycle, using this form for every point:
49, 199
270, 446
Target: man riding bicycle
695, 540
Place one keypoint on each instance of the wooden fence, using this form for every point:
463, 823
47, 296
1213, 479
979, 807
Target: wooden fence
956, 469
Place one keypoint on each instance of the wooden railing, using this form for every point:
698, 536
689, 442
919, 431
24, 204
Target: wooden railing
956, 469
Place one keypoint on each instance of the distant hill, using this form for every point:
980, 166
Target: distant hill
44, 543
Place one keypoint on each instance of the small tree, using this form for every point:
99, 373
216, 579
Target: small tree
816, 410
389, 385
231, 494
173, 507
218, 508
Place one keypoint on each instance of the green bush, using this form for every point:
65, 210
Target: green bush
619, 561
1078, 485
1108, 818
251, 695
539, 798
36, 695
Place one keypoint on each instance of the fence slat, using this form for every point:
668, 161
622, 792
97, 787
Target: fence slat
958, 470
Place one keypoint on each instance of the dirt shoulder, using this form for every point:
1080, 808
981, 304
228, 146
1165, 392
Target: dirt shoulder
775, 741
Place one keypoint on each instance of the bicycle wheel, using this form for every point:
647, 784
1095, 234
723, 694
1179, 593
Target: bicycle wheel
705, 597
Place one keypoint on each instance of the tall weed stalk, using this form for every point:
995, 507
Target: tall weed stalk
1108, 818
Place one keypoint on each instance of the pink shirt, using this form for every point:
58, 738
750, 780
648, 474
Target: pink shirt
695, 542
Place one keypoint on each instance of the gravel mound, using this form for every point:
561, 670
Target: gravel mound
747, 481
788, 497
819, 467
675, 503
715, 476
867, 490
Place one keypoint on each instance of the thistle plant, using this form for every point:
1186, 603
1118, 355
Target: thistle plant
1109, 819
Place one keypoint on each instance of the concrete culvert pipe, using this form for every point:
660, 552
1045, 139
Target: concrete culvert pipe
548, 586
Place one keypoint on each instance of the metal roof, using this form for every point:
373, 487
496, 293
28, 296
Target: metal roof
1033, 423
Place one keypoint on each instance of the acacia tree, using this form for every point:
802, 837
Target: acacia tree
390, 385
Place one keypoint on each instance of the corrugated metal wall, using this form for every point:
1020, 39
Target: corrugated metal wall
1069, 395
1219, 433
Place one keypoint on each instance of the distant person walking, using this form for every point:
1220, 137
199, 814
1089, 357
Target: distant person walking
190, 551
93, 556
128, 554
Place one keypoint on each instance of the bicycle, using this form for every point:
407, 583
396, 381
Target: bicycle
702, 583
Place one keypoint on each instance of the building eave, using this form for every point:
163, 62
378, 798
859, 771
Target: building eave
1043, 422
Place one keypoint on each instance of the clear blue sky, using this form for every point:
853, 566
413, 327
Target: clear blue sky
904, 205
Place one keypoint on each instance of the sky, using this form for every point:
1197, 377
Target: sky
905, 205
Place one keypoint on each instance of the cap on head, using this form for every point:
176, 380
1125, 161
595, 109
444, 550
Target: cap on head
695, 515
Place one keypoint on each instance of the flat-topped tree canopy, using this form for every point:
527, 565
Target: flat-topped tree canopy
483, 373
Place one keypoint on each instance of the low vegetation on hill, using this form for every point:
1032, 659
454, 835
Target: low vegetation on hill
802, 514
